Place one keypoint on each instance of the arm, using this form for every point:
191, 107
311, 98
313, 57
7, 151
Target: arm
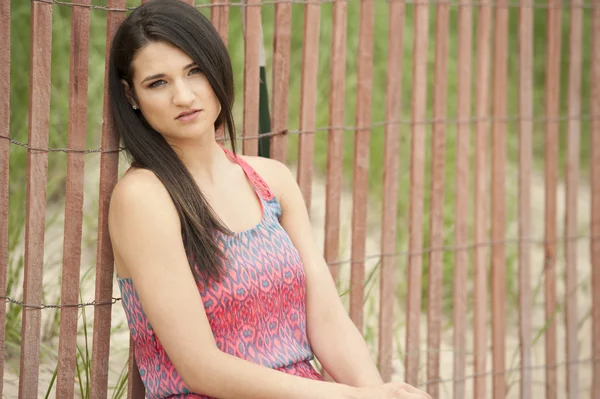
146, 237
336, 341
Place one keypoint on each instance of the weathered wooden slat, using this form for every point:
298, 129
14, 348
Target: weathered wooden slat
337, 79
481, 198
4, 164
78, 83
498, 210
417, 193
361, 159
436, 221
308, 99
135, 387
525, 155
389, 215
252, 36
104, 256
572, 191
461, 255
553, 60
219, 16
595, 200
37, 171
281, 79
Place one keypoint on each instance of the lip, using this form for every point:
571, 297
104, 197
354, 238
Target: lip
188, 115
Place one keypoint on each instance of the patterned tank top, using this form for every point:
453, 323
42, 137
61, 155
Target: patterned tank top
256, 311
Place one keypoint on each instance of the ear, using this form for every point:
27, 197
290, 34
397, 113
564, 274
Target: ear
129, 94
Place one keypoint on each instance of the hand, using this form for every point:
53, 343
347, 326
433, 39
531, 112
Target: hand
392, 390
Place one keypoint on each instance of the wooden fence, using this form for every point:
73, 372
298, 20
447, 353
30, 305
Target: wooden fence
480, 236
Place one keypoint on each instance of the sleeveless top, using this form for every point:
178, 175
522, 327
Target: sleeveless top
256, 311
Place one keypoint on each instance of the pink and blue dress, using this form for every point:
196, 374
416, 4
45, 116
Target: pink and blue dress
256, 311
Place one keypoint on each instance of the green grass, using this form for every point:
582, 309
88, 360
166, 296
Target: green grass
83, 368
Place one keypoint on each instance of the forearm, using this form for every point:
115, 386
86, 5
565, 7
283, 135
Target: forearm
342, 351
230, 377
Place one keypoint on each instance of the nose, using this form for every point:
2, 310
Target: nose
182, 95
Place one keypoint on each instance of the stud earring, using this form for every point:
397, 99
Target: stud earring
135, 107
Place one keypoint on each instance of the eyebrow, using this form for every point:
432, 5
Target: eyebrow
161, 75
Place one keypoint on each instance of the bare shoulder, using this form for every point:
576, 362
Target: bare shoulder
141, 218
137, 187
276, 174
135, 201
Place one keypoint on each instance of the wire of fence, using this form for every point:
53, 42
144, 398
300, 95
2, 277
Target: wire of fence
491, 4
350, 262
324, 129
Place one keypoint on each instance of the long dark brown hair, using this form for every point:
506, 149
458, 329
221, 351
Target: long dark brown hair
183, 26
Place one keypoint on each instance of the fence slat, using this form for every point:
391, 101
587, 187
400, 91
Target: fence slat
498, 227
78, 83
281, 79
361, 159
389, 215
525, 154
37, 170
461, 256
436, 222
572, 191
337, 98
417, 184
219, 16
481, 197
308, 99
104, 256
595, 200
4, 165
252, 36
552, 131
135, 387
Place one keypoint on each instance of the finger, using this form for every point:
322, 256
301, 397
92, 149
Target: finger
409, 395
411, 389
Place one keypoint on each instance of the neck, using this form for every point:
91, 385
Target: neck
205, 159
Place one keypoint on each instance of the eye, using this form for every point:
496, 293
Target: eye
195, 71
156, 84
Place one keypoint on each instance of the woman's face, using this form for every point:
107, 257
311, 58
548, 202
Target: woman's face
173, 94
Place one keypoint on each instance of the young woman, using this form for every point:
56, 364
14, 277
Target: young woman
225, 290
